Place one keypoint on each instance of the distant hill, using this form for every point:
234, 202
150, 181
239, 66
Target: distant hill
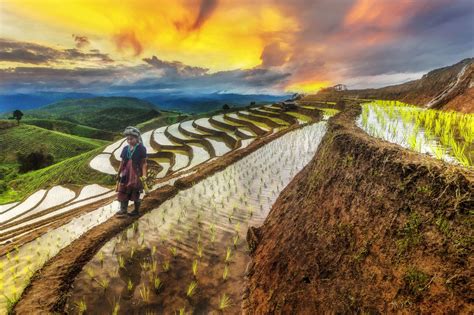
448, 88
189, 103
106, 113
71, 128
208, 102
10, 102
27, 138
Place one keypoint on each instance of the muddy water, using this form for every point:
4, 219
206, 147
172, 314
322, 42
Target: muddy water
149, 267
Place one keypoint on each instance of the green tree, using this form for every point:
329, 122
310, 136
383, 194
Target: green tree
17, 114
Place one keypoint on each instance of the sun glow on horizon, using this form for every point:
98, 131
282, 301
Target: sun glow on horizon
307, 86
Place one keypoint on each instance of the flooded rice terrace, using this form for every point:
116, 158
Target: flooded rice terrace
190, 254
447, 136
17, 267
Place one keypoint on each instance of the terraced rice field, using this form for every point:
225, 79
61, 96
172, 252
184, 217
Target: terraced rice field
448, 136
35, 229
216, 135
190, 254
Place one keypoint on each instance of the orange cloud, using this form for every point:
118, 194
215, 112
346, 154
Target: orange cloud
216, 35
375, 21
127, 40
382, 14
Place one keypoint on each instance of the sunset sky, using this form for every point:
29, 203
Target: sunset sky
146, 47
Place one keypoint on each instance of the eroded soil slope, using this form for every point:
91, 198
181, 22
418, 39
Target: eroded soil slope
366, 227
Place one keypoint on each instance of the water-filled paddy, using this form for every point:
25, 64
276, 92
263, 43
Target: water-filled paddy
190, 253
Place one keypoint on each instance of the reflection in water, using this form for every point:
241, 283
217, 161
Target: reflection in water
190, 253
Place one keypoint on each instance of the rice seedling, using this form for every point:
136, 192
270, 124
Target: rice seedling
225, 274
174, 251
116, 308
90, 272
438, 151
101, 258
191, 289
195, 267
81, 306
413, 142
157, 284
129, 285
224, 302
104, 283
237, 227
153, 267
235, 240
145, 294
166, 266
200, 250
228, 254
115, 272
121, 262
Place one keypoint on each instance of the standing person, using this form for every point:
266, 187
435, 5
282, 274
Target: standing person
132, 171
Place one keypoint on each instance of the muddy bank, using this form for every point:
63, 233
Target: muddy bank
48, 289
366, 227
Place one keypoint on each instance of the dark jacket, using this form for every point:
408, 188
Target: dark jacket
137, 157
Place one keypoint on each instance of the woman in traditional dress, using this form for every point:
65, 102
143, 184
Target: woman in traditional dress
132, 172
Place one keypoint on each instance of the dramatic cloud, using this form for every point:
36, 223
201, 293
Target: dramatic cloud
348, 41
156, 76
127, 40
205, 10
175, 68
272, 45
273, 55
23, 52
31, 53
236, 81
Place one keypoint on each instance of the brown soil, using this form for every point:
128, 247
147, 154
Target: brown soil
48, 289
366, 227
462, 103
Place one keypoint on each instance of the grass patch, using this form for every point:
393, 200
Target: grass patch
26, 139
410, 234
74, 170
415, 282
71, 128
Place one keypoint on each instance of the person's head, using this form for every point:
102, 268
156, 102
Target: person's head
132, 140
133, 135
